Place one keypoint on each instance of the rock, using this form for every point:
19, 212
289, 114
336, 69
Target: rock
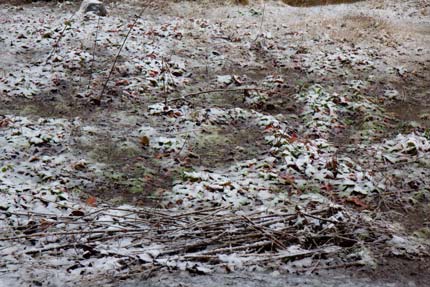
93, 6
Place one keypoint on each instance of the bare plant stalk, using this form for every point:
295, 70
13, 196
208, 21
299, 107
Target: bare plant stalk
262, 21
165, 82
94, 54
167, 77
97, 101
67, 23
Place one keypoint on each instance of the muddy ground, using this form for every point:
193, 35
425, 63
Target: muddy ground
206, 106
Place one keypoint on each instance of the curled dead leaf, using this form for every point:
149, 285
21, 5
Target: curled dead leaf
77, 213
80, 165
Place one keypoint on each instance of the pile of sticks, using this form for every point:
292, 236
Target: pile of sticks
203, 235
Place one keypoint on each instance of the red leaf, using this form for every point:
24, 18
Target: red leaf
355, 200
292, 138
269, 128
121, 82
91, 201
153, 73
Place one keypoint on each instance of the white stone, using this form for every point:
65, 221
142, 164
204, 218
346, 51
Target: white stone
93, 6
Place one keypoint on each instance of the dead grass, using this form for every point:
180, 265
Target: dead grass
355, 28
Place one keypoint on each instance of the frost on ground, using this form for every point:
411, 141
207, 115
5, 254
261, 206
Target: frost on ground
221, 141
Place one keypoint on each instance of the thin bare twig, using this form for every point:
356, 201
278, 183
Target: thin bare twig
45, 234
98, 100
266, 233
67, 24
183, 98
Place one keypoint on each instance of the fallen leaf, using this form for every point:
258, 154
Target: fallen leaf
286, 178
161, 155
153, 73
45, 224
237, 80
77, 213
4, 123
355, 200
144, 140
80, 165
293, 138
123, 82
328, 187
34, 158
91, 201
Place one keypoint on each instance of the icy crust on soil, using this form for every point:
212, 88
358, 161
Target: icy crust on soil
300, 186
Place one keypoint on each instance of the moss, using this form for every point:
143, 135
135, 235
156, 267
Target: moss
135, 185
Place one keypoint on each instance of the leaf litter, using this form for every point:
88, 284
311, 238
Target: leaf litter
296, 203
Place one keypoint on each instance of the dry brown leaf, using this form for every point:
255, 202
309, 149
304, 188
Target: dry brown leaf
144, 140
357, 201
91, 201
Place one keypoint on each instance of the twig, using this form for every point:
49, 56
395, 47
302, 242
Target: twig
166, 73
320, 218
165, 82
194, 224
215, 91
186, 214
259, 228
294, 255
237, 248
198, 244
72, 233
66, 24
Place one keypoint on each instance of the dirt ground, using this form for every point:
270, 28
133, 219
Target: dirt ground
268, 107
